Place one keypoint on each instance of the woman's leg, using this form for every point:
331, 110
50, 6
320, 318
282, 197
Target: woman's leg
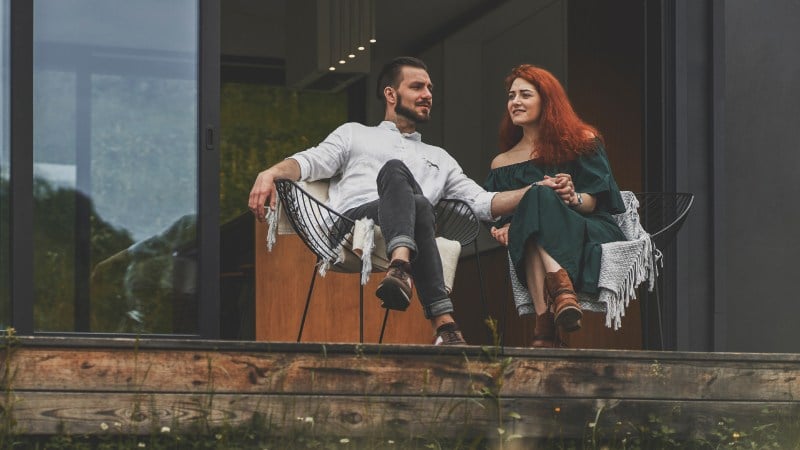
544, 332
559, 288
534, 275
550, 264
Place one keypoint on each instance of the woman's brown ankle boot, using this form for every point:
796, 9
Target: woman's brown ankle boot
544, 335
565, 302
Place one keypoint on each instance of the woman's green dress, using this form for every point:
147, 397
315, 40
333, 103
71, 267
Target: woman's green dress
571, 238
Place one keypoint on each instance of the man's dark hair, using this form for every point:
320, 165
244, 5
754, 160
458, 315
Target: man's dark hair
390, 73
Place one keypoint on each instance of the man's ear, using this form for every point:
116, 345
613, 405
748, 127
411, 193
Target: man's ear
390, 94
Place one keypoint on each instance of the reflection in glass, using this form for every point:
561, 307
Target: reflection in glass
115, 165
5, 170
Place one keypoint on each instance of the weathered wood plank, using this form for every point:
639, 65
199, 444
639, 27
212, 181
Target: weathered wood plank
536, 374
348, 416
360, 390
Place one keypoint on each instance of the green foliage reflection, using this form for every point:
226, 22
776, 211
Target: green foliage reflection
262, 125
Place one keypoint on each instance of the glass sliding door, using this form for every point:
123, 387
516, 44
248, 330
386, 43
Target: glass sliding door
115, 166
5, 169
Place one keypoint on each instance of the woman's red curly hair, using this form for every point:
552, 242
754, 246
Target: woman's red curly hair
563, 136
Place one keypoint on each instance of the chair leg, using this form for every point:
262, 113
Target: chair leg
360, 311
480, 286
658, 314
383, 327
308, 300
645, 315
645, 318
504, 311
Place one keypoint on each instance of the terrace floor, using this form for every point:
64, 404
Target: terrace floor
54, 385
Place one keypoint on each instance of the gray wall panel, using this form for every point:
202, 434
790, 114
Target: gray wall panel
694, 160
762, 106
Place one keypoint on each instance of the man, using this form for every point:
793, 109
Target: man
411, 177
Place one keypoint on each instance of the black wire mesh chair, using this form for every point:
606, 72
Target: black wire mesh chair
662, 214
328, 234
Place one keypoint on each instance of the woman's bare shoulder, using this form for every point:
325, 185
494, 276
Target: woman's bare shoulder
510, 157
499, 160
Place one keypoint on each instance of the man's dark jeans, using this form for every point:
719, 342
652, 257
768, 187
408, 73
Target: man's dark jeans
407, 219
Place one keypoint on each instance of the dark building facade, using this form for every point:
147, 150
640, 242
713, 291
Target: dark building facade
125, 151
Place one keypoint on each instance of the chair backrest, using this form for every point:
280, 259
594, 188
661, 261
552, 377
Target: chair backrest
663, 213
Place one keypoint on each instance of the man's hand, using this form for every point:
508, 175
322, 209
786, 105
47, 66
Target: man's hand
263, 191
501, 234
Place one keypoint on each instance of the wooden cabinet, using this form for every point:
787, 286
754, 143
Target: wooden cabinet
282, 280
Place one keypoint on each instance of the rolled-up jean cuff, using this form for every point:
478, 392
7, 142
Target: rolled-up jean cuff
401, 241
437, 308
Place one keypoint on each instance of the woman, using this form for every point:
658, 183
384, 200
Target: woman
555, 234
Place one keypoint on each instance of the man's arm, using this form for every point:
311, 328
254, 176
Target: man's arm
504, 203
264, 188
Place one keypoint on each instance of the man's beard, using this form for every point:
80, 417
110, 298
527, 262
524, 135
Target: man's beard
409, 113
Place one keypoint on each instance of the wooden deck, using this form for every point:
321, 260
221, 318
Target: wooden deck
75, 385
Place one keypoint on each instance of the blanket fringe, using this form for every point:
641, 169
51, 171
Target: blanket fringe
323, 264
643, 269
366, 230
272, 227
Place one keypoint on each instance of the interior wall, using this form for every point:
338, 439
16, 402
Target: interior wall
606, 48
605, 83
468, 69
472, 64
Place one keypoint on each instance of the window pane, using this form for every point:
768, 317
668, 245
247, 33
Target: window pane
115, 165
5, 170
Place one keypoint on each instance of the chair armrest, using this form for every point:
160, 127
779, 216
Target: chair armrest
319, 227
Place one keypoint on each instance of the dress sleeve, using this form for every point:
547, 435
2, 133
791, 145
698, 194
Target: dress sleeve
593, 176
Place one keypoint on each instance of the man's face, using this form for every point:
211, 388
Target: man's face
414, 95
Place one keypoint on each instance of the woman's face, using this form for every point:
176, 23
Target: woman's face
524, 104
